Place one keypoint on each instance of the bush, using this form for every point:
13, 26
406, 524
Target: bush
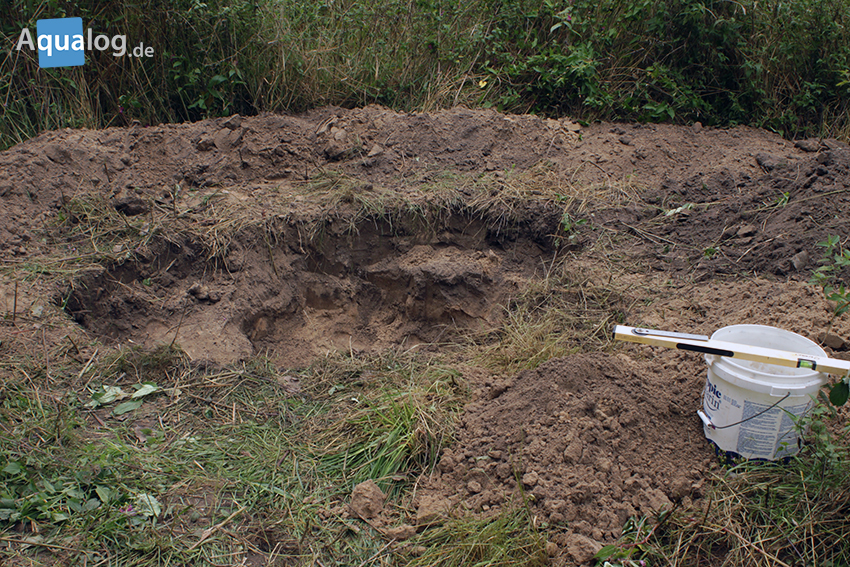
780, 65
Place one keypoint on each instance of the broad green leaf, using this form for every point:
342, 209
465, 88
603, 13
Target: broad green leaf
104, 493
147, 388
108, 395
13, 467
148, 506
127, 407
74, 493
839, 393
606, 552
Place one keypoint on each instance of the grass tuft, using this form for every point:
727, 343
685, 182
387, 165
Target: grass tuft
506, 540
392, 417
555, 316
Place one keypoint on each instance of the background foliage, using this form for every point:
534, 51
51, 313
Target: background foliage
775, 64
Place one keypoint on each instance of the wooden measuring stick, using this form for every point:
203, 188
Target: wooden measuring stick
705, 345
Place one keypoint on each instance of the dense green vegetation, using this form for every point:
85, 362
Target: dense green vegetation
779, 65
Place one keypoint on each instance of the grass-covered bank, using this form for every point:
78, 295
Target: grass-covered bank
779, 65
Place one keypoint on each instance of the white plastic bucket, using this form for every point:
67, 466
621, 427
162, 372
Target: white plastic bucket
746, 405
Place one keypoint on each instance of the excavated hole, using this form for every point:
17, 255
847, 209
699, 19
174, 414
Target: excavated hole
378, 287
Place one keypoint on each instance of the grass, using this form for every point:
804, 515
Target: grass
394, 436
232, 462
500, 199
559, 314
780, 66
770, 516
507, 539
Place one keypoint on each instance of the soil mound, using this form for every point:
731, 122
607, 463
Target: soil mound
715, 201
593, 439
399, 152
730, 221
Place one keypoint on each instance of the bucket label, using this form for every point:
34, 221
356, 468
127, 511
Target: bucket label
770, 434
712, 396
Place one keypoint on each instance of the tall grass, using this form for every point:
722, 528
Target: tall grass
200, 51
507, 539
217, 463
405, 54
775, 64
780, 65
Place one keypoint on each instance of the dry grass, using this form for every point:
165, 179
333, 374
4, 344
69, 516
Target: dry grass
562, 313
503, 197
505, 540
760, 514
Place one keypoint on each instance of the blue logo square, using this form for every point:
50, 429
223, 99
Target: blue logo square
56, 40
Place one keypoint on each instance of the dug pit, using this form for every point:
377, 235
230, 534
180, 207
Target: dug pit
359, 289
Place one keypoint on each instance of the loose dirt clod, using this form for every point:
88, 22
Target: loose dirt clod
367, 500
431, 510
400, 533
581, 549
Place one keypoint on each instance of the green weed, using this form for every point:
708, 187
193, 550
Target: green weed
828, 276
214, 463
391, 431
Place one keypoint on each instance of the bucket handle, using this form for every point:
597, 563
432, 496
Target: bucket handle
710, 424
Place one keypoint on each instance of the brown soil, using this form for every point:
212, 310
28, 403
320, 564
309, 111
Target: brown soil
365, 229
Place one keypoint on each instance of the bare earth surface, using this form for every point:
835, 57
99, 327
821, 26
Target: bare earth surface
382, 236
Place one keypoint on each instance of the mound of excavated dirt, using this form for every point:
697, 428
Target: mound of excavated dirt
734, 176
596, 438
729, 221
593, 439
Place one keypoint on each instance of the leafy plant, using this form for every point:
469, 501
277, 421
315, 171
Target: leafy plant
630, 550
782, 66
109, 394
30, 494
569, 228
835, 258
